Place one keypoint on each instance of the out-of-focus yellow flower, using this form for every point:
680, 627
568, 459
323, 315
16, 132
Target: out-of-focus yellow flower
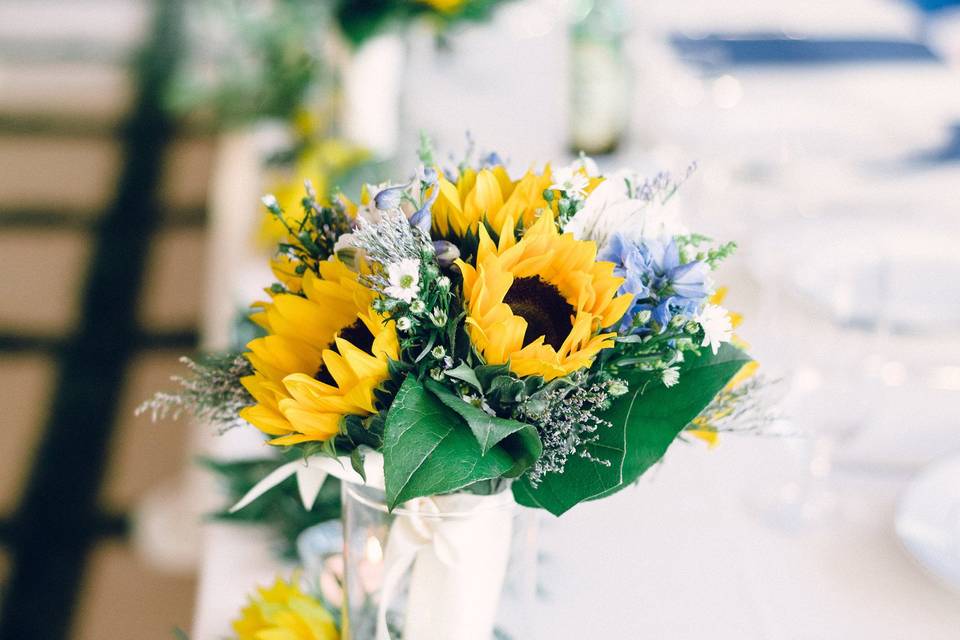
539, 303
322, 163
705, 430
284, 612
443, 6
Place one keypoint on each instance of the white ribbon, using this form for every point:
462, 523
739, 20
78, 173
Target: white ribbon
456, 554
312, 472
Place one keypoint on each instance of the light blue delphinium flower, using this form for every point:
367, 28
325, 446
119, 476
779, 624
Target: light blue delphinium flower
654, 273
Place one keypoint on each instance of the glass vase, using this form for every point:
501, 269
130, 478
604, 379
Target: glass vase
457, 566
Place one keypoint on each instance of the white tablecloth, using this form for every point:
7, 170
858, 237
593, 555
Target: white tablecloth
689, 553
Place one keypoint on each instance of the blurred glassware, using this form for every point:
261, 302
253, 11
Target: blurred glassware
453, 566
928, 520
850, 304
600, 76
320, 549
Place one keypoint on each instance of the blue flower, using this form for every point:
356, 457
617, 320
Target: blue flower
660, 282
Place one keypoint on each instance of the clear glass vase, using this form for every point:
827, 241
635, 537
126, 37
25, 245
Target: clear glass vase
457, 566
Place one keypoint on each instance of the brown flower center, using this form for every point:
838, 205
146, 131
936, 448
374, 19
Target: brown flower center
547, 313
356, 334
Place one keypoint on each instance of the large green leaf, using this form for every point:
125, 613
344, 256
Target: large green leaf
519, 439
656, 415
644, 423
582, 478
429, 449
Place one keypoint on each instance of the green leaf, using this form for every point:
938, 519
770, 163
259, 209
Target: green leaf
464, 373
429, 449
490, 431
582, 478
644, 423
655, 416
356, 461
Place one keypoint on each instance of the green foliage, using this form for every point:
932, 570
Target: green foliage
264, 62
705, 250
644, 423
282, 510
360, 20
430, 449
519, 438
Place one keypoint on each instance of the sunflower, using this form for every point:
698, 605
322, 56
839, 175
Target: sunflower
488, 194
539, 303
324, 354
284, 611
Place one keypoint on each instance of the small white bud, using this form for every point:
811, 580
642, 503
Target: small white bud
438, 352
417, 306
270, 202
443, 282
617, 387
404, 324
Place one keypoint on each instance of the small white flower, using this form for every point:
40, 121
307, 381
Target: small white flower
670, 376
479, 402
438, 352
417, 306
404, 279
443, 282
571, 181
588, 164
404, 324
270, 201
716, 324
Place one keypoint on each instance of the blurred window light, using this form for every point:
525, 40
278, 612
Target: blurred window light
893, 374
688, 91
946, 378
727, 92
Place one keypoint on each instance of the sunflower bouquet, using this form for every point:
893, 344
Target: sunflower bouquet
539, 339
550, 334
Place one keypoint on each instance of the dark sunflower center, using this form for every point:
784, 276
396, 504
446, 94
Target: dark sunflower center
356, 334
547, 313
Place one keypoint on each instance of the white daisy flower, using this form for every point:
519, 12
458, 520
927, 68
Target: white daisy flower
716, 324
404, 279
570, 181
670, 376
